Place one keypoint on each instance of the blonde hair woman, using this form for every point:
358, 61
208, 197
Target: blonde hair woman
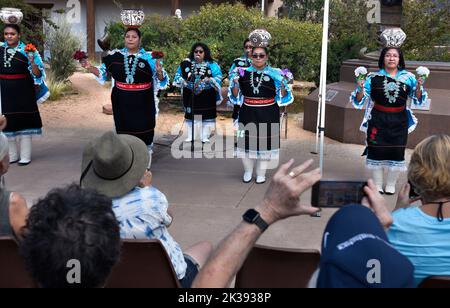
422, 233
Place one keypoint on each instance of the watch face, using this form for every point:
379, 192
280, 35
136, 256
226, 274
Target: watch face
251, 216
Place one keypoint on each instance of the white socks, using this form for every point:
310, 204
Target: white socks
150, 153
205, 134
261, 168
13, 155
391, 181
248, 168
378, 179
199, 130
25, 150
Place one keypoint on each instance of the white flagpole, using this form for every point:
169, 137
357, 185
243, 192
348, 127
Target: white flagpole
323, 81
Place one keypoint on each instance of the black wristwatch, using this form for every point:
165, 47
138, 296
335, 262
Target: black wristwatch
253, 217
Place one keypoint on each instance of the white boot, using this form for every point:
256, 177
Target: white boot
13, 155
189, 132
378, 179
205, 134
25, 150
391, 181
248, 168
261, 169
150, 154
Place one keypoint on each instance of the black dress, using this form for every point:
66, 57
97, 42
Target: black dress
387, 133
18, 96
205, 101
133, 103
259, 115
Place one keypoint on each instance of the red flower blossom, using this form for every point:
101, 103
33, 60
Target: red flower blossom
80, 55
157, 54
30, 48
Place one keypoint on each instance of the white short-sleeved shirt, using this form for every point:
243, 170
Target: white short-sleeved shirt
142, 214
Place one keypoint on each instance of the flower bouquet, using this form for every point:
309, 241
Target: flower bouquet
423, 72
287, 74
30, 49
80, 55
361, 73
157, 54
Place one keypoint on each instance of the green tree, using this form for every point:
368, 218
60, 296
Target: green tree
304, 10
427, 25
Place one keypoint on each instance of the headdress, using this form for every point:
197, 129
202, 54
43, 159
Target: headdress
132, 18
260, 38
11, 16
394, 37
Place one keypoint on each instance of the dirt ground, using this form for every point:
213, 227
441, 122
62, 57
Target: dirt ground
84, 111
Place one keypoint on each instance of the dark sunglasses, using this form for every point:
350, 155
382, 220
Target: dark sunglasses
248, 46
258, 56
198, 51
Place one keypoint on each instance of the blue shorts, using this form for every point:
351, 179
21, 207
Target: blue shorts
191, 272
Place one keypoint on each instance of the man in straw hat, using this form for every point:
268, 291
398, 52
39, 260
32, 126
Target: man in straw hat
116, 166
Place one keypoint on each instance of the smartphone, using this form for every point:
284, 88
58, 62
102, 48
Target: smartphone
335, 194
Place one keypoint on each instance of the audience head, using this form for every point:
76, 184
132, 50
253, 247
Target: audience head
429, 169
71, 225
356, 254
114, 164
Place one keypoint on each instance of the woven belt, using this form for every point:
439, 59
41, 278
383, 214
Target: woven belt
259, 102
133, 87
389, 109
17, 76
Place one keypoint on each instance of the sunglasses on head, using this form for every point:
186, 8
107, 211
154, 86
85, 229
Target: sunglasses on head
258, 55
198, 51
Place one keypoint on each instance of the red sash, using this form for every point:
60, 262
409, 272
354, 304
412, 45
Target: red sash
259, 102
133, 87
389, 109
17, 76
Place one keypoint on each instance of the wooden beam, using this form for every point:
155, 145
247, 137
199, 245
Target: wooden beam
90, 25
175, 6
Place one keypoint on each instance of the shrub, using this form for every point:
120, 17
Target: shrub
61, 43
57, 88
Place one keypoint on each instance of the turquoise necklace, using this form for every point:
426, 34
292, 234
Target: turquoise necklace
130, 74
391, 90
8, 55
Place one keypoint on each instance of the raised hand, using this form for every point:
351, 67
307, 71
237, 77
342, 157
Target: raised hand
282, 198
85, 64
31, 57
376, 202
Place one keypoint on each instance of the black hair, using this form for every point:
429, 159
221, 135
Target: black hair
71, 224
265, 49
401, 63
205, 49
246, 41
15, 27
139, 33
